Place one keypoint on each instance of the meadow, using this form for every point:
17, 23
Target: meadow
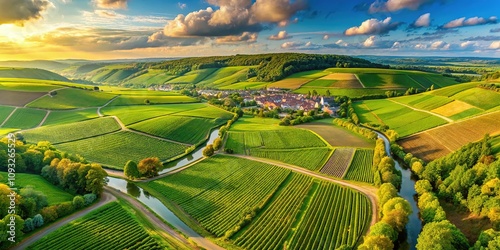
193, 77
119, 226
71, 98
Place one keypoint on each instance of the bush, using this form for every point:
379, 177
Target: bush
89, 199
65, 208
228, 151
78, 202
149, 167
130, 170
217, 143
209, 150
49, 214
38, 220
28, 225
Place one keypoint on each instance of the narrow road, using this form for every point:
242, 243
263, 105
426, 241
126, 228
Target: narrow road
359, 80
43, 120
370, 192
7, 118
106, 104
26, 105
155, 221
425, 111
105, 199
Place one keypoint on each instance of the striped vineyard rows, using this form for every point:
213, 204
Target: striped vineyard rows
338, 162
360, 169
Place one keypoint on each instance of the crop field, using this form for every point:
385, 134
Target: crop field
271, 229
320, 83
133, 114
178, 128
360, 169
481, 98
72, 98
54, 194
152, 76
118, 225
398, 117
73, 131
312, 74
63, 117
285, 138
225, 76
337, 136
358, 92
230, 187
289, 83
24, 118
18, 98
336, 216
456, 107
5, 112
194, 76
153, 99
27, 86
115, 149
377, 80
424, 101
339, 162
432, 144
310, 158
246, 85
236, 142
207, 112
450, 91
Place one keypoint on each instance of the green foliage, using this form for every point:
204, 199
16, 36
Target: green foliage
149, 167
217, 143
360, 169
78, 202
382, 228
430, 209
377, 242
31, 202
208, 150
423, 186
71, 98
359, 130
130, 170
441, 235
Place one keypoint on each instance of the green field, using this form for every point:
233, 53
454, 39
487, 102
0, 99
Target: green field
207, 111
115, 149
358, 92
118, 227
219, 191
5, 112
24, 118
336, 216
147, 78
225, 76
286, 138
54, 194
310, 158
449, 91
26, 86
73, 131
28, 73
72, 98
246, 85
178, 128
361, 166
194, 76
404, 120
424, 101
62, 117
133, 114
481, 98
153, 99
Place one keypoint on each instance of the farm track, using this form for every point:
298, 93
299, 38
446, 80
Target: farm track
106, 104
107, 198
43, 120
425, 111
7, 118
26, 105
416, 82
359, 80
370, 192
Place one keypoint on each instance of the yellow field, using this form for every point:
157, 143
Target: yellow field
339, 76
452, 108
289, 83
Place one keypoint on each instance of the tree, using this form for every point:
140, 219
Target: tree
147, 102
5, 199
19, 224
377, 242
382, 228
89, 199
422, 186
31, 201
386, 192
150, 167
28, 225
209, 150
78, 202
441, 235
217, 143
38, 220
33, 160
131, 171
49, 214
96, 179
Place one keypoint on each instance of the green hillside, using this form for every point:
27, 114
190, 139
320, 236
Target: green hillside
30, 73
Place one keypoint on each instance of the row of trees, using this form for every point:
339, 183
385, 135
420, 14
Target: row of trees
383, 168
300, 117
356, 129
147, 167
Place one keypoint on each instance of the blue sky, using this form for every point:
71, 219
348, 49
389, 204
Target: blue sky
105, 29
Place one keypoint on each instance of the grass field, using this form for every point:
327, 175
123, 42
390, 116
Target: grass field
360, 168
219, 191
194, 76
72, 98
454, 89
133, 114
424, 101
118, 225
225, 76
24, 118
246, 85
207, 111
480, 98
5, 112
337, 136
27, 86
153, 99
63, 117
115, 149
310, 158
178, 128
73, 131
148, 78
441, 141
54, 194
339, 162
404, 120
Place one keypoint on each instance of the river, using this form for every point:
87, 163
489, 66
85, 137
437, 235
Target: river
407, 191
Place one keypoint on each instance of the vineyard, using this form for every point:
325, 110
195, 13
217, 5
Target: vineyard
132, 114
24, 118
360, 169
279, 139
153, 99
109, 227
221, 191
62, 117
72, 98
339, 162
178, 128
115, 149
270, 229
73, 131
310, 158
336, 216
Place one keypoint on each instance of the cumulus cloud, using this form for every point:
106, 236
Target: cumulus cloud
423, 21
111, 4
369, 42
373, 27
468, 45
232, 18
482, 38
440, 45
246, 37
282, 35
495, 45
420, 46
473, 21
395, 5
181, 5
495, 30
108, 14
20, 11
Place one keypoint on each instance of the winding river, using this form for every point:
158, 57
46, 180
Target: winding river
407, 191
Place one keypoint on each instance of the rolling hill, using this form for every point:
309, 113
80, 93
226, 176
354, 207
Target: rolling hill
31, 74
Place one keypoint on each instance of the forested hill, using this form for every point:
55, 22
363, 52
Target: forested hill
271, 67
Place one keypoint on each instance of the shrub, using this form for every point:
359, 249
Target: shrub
49, 214
89, 199
209, 150
78, 202
28, 225
38, 220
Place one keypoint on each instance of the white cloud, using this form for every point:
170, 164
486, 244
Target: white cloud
282, 35
111, 4
420, 46
373, 27
395, 5
326, 37
369, 42
181, 5
423, 21
289, 45
440, 45
396, 45
495, 45
473, 21
246, 37
468, 45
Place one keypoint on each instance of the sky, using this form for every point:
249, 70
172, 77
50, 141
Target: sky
117, 29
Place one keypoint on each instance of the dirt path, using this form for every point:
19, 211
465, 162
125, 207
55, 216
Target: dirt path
370, 192
8, 117
359, 80
425, 111
106, 198
26, 105
44, 118
106, 104
155, 221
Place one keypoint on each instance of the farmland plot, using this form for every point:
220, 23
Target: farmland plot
360, 169
310, 158
339, 162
